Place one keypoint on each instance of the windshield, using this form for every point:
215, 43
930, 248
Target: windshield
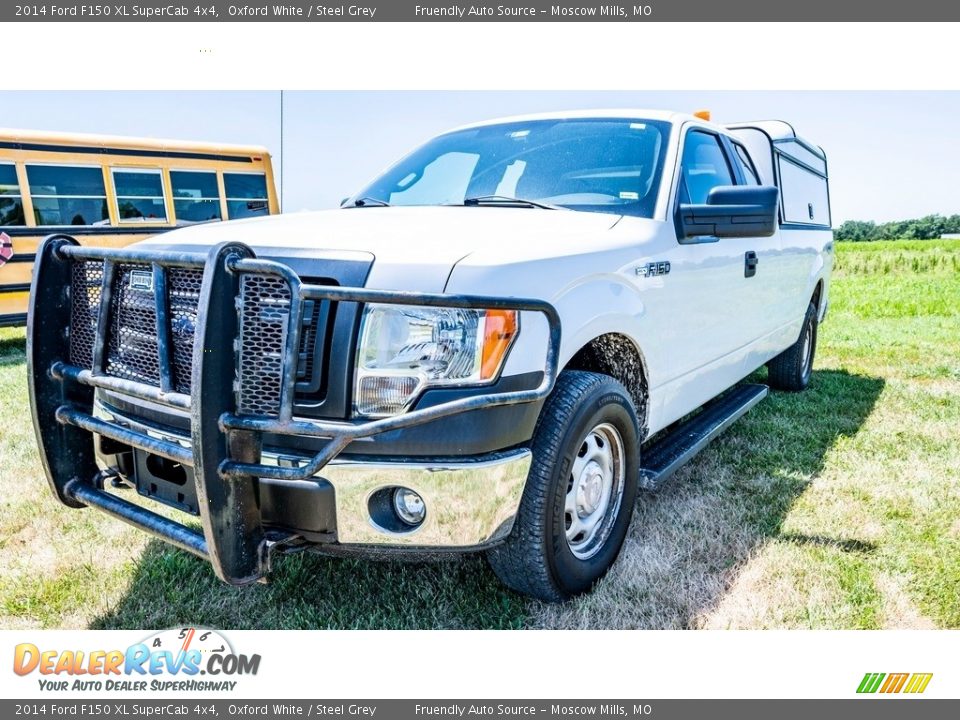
595, 165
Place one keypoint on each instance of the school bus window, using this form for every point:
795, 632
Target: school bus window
196, 197
11, 202
139, 195
246, 195
68, 195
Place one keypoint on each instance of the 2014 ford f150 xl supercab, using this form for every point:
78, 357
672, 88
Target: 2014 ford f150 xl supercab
474, 353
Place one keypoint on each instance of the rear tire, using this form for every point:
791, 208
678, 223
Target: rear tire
791, 370
580, 492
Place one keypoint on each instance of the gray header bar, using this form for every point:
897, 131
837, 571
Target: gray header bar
854, 709
503, 11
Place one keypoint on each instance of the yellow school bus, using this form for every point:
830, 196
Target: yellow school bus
112, 191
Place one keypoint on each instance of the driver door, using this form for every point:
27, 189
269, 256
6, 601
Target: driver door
707, 307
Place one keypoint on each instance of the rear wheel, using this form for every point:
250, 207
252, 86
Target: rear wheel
579, 496
791, 370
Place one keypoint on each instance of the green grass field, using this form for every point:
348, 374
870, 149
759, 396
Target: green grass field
835, 508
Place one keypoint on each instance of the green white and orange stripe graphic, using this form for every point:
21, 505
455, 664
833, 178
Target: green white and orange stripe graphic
913, 683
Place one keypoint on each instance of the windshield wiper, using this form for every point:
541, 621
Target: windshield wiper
506, 200
370, 202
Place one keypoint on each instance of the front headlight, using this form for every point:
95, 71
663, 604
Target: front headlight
407, 348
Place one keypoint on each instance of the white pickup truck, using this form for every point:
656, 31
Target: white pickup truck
491, 347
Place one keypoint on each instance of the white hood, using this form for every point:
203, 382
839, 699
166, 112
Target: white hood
409, 235
412, 247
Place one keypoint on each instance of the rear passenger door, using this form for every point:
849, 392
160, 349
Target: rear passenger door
772, 277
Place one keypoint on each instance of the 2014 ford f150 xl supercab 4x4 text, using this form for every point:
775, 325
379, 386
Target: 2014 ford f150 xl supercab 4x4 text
473, 354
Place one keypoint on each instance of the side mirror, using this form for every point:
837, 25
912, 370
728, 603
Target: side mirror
344, 201
731, 211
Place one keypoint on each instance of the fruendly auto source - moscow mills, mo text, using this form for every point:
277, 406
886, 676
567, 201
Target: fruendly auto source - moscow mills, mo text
520, 11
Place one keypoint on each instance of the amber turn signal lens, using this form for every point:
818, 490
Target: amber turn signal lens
499, 329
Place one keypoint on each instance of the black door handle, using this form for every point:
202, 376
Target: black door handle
750, 262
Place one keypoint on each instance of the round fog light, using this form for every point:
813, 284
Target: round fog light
409, 506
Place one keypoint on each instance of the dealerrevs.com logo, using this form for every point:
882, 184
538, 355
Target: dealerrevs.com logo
182, 659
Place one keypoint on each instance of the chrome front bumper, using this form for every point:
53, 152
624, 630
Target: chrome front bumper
469, 504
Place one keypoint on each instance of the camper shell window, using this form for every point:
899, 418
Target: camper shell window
802, 178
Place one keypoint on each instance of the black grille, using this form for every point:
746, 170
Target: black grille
132, 350
263, 331
307, 360
85, 290
132, 345
183, 293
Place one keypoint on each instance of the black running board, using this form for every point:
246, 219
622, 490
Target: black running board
667, 455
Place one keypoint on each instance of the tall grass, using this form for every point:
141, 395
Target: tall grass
898, 257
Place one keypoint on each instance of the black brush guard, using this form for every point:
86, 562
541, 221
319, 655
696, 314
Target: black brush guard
226, 445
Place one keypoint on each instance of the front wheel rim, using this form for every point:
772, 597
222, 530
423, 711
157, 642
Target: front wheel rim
594, 491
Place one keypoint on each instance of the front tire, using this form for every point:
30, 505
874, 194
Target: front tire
791, 370
578, 500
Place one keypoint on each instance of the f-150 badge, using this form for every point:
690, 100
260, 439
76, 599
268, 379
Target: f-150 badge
653, 269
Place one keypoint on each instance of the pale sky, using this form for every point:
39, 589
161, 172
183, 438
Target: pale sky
892, 155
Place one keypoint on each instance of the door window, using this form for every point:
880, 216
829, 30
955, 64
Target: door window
746, 165
704, 166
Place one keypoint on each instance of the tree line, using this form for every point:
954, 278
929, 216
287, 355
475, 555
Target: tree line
925, 228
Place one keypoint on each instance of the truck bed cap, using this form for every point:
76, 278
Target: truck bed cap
778, 130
